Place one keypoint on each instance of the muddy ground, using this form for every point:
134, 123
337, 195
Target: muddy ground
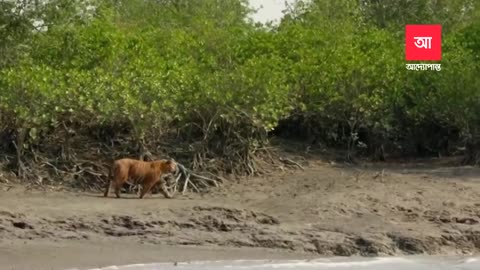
422, 207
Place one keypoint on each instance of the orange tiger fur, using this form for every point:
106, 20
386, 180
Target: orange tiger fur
146, 173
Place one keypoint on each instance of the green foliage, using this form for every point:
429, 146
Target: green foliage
151, 63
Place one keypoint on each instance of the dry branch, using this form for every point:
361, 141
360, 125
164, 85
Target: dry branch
288, 161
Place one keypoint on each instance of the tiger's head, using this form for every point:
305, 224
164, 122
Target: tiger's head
170, 166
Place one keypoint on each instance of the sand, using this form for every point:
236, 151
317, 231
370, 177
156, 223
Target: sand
388, 209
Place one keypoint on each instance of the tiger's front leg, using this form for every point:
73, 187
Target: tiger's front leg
164, 189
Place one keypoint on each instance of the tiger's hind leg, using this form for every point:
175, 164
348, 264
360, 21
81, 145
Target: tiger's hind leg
107, 188
119, 184
118, 187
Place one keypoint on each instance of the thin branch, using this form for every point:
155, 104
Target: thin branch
185, 185
288, 161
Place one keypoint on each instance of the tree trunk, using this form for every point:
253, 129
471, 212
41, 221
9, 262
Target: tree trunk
19, 141
472, 152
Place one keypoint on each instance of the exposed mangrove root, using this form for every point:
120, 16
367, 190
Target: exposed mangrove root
290, 162
82, 159
192, 179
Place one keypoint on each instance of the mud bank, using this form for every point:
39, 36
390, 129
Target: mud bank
227, 227
322, 211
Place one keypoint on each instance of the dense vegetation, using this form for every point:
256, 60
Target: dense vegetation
200, 80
